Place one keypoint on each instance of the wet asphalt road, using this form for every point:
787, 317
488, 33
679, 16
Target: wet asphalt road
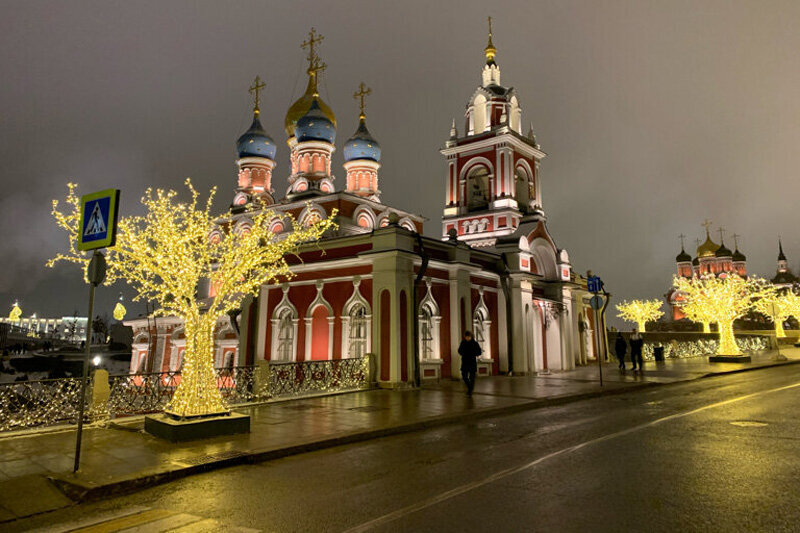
718, 454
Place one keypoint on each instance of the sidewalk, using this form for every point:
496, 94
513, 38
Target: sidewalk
123, 458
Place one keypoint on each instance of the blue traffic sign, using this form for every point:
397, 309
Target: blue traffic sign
98, 228
594, 284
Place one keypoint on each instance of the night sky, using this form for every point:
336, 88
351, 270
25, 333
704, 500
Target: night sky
655, 115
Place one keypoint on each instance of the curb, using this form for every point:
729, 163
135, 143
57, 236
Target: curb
80, 492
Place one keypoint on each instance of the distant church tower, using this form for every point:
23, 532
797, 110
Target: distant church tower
493, 169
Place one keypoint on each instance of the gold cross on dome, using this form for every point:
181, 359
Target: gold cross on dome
257, 86
682, 236
736, 240
490, 28
706, 224
721, 231
314, 39
363, 92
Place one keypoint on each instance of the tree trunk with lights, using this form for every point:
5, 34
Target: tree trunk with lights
197, 393
727, 340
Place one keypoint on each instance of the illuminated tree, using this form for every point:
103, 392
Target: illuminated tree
699, 313
640, 311
778, 307
167, 253
723, 300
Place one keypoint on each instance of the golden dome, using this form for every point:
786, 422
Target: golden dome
708, 248
303, 104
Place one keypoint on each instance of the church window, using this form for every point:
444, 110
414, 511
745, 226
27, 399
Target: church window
358, 332
522, 189
284, 329
285, 336
481, 325
478, 189
429, 322
356, 324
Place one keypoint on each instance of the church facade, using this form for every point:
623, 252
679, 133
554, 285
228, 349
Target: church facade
376, 285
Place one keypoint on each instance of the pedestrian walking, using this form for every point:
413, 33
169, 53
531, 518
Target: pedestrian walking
621, 348
469, 350
636, 350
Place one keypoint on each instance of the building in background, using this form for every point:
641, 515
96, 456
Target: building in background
496, 270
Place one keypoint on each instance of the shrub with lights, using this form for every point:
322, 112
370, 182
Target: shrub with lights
175, 247
640, 311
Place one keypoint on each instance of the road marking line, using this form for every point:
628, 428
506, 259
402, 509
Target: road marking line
457, 491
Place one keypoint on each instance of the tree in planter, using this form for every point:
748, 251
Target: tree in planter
175, 246
723, 300
778, 306
640, 311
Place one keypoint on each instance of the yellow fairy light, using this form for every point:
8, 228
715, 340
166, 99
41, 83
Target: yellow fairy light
721, 300
15, 313
167, 253
640, 311
119, 311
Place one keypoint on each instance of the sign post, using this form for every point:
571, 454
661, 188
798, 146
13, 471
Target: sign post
595, 285
98, 229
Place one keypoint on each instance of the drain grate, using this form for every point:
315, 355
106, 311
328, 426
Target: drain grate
211, 458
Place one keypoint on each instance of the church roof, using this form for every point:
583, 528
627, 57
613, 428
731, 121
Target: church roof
708, 248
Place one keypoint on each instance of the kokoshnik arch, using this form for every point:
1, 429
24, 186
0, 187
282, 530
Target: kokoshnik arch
496, 271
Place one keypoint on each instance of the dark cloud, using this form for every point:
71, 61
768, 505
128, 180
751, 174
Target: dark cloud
655, 115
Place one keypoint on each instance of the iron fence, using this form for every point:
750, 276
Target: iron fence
318, 377
51, 402
25, 404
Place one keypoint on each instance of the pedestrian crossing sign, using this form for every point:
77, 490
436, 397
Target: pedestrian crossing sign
99, 213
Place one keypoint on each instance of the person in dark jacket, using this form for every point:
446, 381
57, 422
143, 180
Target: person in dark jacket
636, 350
469, 350
621, 348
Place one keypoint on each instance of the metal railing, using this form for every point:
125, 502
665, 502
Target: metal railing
47, 402
317, 377
50, 402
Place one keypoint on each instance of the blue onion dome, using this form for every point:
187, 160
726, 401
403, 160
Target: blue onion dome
362, 145
315, 125
255, 142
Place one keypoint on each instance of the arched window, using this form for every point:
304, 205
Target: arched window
286, 336
356, 324
481, 325
522, 189
478, 189
357, 332
284, 330
429, 322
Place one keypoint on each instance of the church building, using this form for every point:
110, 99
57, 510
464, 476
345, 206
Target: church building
376, 285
